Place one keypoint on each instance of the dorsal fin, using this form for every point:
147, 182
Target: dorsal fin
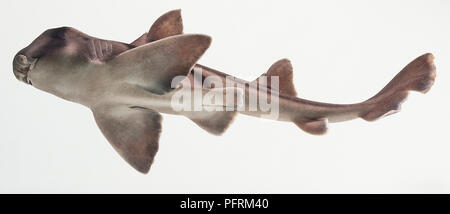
283, 69
142, 40
169, 24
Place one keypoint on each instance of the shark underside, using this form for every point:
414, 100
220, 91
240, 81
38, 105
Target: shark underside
127, 86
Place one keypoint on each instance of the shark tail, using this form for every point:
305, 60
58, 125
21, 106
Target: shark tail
418, 75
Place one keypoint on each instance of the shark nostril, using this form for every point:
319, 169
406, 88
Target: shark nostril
22, 59
23, 69
22, 66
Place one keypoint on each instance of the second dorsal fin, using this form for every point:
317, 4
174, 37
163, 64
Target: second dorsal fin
283, 69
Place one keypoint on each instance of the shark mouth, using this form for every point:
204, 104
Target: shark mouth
22, 66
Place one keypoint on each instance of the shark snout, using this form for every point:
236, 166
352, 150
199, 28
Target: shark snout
22, 66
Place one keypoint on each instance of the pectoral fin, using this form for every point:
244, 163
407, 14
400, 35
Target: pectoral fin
133, 132
153, 66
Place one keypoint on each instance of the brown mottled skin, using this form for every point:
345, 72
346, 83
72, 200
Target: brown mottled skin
128, 85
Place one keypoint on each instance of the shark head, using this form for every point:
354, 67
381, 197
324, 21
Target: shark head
48, 42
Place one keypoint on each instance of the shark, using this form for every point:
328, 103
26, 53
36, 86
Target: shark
129, 85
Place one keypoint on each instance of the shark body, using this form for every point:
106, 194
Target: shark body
127, 86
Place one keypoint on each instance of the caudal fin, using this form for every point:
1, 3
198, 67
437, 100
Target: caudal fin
418, 75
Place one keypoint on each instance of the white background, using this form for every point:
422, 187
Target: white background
342, 52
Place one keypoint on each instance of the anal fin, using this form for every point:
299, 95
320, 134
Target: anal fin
315, 127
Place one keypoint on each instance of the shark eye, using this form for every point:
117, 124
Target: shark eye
59, 34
